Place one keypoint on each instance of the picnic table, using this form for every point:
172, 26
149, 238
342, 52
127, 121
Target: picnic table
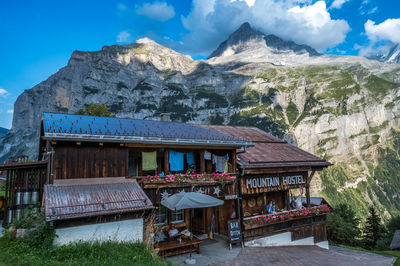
172, 248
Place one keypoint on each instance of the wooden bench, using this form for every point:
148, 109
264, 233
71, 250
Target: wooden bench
173, 248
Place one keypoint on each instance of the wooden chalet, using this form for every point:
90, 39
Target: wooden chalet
88, 147
272, 170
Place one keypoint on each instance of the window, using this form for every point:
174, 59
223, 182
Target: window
160, 216
178, 216
133, 166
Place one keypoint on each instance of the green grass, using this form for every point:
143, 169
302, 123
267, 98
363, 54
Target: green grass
140, 50
393, 253
107, 253
378, 86
292, 112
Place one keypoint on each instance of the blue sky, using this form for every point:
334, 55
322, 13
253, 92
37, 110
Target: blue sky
38, 37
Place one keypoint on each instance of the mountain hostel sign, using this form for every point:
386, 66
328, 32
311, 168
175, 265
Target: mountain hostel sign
252, 184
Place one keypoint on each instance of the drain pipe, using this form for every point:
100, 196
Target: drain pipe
240, 204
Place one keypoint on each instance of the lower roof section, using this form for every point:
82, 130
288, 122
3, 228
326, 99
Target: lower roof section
78, 198
269, 151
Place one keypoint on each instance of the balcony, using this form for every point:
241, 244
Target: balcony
285, 216
196, 178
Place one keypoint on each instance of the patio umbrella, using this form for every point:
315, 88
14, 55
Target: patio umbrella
190, 200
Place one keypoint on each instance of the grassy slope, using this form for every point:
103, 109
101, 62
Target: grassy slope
109, 253
382, 185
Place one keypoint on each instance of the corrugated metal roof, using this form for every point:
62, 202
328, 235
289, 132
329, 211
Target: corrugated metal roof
269, 151
82, 127
253, 134
77, 198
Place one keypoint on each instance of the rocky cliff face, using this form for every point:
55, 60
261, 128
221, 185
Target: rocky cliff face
392, 56
345, 109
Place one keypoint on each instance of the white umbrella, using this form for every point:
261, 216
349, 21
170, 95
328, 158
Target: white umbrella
190, 200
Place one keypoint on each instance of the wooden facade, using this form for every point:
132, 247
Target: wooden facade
89, 160
24, 187
258, 189
299, 228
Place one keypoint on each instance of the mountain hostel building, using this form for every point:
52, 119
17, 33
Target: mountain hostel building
100, 170
271, 171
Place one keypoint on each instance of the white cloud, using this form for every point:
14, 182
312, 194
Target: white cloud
124, 36
211, 21
159, 11
389, 30
3, 93
10, 111
338, 3
122, 7
373, 10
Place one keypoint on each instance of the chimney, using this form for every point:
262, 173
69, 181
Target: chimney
165, 117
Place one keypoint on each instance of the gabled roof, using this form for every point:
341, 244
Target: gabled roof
109, 129
269, 151
78, 198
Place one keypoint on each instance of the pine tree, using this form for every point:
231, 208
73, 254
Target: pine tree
372, 229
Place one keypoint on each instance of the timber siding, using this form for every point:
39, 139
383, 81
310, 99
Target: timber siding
73, 161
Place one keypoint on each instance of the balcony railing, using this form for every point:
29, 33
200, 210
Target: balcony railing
263, 220
187, 178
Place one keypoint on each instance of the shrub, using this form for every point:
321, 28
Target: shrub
40, 234
342, 226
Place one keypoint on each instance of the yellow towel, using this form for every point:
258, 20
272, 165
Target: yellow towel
149, 161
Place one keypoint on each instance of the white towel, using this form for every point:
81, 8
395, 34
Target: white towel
219, 162
207, 155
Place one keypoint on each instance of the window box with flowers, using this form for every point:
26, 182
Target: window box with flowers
263, 220
188, 178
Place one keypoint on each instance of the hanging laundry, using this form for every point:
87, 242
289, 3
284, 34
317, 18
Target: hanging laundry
190, 158
149, 161
219, 162
226, 168
207, 155
175, 161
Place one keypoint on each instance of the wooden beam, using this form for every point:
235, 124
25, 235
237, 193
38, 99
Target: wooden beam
234, 166
308, 195
166, 161
276, 170
202, 162
311, 176
177, 147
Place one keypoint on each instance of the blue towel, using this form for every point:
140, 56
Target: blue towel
176, 161
190, 158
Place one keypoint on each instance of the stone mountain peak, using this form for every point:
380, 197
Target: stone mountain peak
247, 38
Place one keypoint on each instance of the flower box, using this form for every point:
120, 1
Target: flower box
263, 220
187, 178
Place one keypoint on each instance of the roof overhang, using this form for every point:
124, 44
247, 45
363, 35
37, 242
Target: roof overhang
142, 140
